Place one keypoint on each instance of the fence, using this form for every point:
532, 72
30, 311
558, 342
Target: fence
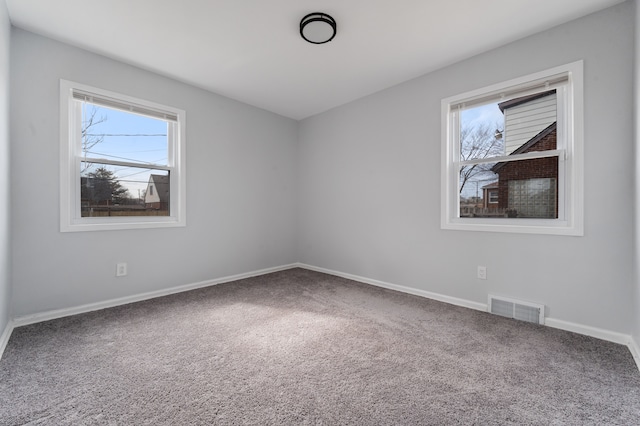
483, 212
120, 211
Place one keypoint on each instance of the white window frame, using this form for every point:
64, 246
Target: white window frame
568, 81
489, 195
71, 157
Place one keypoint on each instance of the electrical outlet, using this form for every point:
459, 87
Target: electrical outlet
482, 272
121, 269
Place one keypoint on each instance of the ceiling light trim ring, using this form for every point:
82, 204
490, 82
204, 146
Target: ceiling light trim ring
318, 17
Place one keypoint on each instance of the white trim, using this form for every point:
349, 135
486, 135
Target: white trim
560, 153
571, 193
410, 290
635, 351
70, 219
522, 86
599, 333
60, 313
4, 338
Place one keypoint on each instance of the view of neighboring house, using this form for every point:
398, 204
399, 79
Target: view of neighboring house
526, 116
490, 196
157, 194
527, 188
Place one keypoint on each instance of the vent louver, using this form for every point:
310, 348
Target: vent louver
517, 309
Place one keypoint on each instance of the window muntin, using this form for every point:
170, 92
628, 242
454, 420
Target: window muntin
524, 130
114, 150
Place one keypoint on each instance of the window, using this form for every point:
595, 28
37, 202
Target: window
512, 155
122, 161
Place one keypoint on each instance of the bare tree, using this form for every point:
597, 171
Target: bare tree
89, 139
478, 142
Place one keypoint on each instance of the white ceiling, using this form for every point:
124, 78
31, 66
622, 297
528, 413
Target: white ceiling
251, 50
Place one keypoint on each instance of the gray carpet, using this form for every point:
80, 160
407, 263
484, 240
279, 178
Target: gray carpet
300, 347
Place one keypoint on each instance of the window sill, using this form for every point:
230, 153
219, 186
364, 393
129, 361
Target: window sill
518, 226
86, 224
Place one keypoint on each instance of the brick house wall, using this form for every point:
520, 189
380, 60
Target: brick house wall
529, 169
487, 191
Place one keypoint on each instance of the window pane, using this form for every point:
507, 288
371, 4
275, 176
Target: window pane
513, 126
108, 190
530, 123
116, 135
479, 191
516, 189
515, 150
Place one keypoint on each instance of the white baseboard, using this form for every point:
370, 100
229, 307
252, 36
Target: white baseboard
59, 313
599, 333
4, 338
429, 295
635, 351
610, 336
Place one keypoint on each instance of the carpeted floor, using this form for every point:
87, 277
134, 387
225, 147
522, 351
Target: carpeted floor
300, 347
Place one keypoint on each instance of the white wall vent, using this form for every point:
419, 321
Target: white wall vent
518, 309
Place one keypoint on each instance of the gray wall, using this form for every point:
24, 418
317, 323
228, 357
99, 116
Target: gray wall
5, 238
240, 188
362, 183
369, 190
636, 320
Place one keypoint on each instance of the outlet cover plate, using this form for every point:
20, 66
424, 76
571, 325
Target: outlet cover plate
121, 269
482, 272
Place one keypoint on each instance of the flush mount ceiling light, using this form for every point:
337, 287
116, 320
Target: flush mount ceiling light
318, 28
